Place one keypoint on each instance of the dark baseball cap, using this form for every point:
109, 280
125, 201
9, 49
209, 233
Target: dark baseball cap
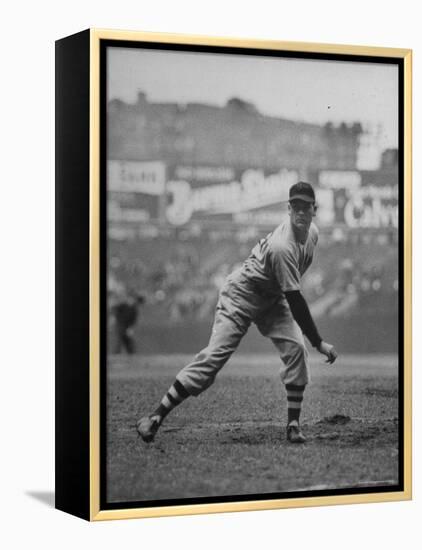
302, 191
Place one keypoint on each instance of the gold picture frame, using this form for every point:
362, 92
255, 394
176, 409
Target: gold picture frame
80, 452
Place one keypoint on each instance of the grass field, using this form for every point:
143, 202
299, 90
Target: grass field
231, 439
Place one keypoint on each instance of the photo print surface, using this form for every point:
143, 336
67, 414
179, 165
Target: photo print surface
253, 283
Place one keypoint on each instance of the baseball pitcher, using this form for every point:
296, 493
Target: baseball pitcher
265, 290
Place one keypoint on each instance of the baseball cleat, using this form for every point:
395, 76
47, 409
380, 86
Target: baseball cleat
294, 434
148, 426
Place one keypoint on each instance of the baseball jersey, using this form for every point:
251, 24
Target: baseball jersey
278, 261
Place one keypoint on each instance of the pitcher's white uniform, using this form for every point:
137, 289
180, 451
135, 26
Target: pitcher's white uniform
255, 293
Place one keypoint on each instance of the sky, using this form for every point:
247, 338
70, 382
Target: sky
312, 91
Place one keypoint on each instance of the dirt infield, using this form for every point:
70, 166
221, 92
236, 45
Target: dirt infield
231, 439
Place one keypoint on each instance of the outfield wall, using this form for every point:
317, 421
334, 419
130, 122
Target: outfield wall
358, 334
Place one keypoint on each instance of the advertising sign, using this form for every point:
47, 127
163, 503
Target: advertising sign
367, 199
135, 191
226, 194
148, 192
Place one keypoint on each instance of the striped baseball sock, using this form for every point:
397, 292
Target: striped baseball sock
294, 402
175, 395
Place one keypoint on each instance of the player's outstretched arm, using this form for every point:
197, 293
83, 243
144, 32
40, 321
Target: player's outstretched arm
303, 318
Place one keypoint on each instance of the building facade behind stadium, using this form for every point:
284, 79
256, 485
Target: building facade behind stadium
192, 187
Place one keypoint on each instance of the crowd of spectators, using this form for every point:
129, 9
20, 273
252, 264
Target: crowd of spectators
181, 280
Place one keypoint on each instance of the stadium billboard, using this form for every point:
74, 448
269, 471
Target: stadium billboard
362, 199
136, 191
255, 196
225, 194
175, 195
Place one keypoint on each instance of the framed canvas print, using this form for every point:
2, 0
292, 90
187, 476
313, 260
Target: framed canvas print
233, 276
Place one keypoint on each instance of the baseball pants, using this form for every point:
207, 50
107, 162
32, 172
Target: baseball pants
237, 307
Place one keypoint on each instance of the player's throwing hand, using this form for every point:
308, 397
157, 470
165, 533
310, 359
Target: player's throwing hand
329, 351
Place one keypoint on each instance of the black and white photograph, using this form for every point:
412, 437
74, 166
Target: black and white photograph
150, 156
253, 287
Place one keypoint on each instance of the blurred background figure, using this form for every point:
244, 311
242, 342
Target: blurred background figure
124, 312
